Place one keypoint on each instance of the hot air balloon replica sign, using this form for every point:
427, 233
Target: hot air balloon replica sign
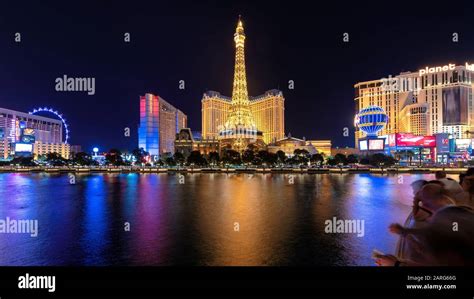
371, 120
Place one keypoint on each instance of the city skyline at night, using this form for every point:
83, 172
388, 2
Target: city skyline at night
201, 57
247, 148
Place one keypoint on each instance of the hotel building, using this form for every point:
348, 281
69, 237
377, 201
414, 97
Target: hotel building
240, 120
268, 111
159, 123
186, 142
289, 144
322, 146
38, 129
42, 148
430, 101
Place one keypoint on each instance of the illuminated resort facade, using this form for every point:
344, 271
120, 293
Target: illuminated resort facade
186, 142
44, 148
268, 111
26, 134
432, 101
159, 123
289, 144
242, 120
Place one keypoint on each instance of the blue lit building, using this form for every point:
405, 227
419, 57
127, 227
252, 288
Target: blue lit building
159, 123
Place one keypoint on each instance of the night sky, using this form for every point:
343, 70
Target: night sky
193, 41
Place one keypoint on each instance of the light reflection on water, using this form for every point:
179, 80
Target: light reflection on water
280, 222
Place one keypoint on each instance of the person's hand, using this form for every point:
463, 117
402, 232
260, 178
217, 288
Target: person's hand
386, 260
396, 228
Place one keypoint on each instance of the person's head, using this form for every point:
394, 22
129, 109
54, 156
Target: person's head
433, 197
468, 184
417, 185
440, 175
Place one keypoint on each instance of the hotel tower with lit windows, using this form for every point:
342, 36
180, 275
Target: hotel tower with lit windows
431, 101
263, 115
159, 123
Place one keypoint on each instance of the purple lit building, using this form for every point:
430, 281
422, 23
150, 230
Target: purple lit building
159, 123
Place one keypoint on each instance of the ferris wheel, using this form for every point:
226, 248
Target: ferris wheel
57, 114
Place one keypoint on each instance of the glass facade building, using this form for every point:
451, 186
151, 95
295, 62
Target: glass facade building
159, 123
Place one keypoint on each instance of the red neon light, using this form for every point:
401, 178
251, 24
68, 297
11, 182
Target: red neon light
406, 139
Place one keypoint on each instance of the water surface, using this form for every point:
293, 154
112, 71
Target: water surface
281, 218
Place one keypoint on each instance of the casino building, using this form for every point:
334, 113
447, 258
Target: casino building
30, 134
267, 109
289, 144
159, 123
186, 142
261, 118
432, 101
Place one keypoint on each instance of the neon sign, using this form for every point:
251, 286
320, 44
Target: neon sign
469, 67
431, 70
406, 139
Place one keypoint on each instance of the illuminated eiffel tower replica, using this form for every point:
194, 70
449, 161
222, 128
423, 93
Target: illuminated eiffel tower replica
240, 129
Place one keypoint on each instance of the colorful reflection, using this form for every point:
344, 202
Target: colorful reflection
200, 219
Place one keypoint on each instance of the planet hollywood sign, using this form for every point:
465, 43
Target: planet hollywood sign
436, 69
445, 68
393, 84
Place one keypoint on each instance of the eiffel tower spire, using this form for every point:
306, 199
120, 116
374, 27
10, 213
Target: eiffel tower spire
240, 114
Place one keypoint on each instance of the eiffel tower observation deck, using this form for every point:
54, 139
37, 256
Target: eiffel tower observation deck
240, 129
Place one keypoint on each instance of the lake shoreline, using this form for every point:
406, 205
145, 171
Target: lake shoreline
129, 169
